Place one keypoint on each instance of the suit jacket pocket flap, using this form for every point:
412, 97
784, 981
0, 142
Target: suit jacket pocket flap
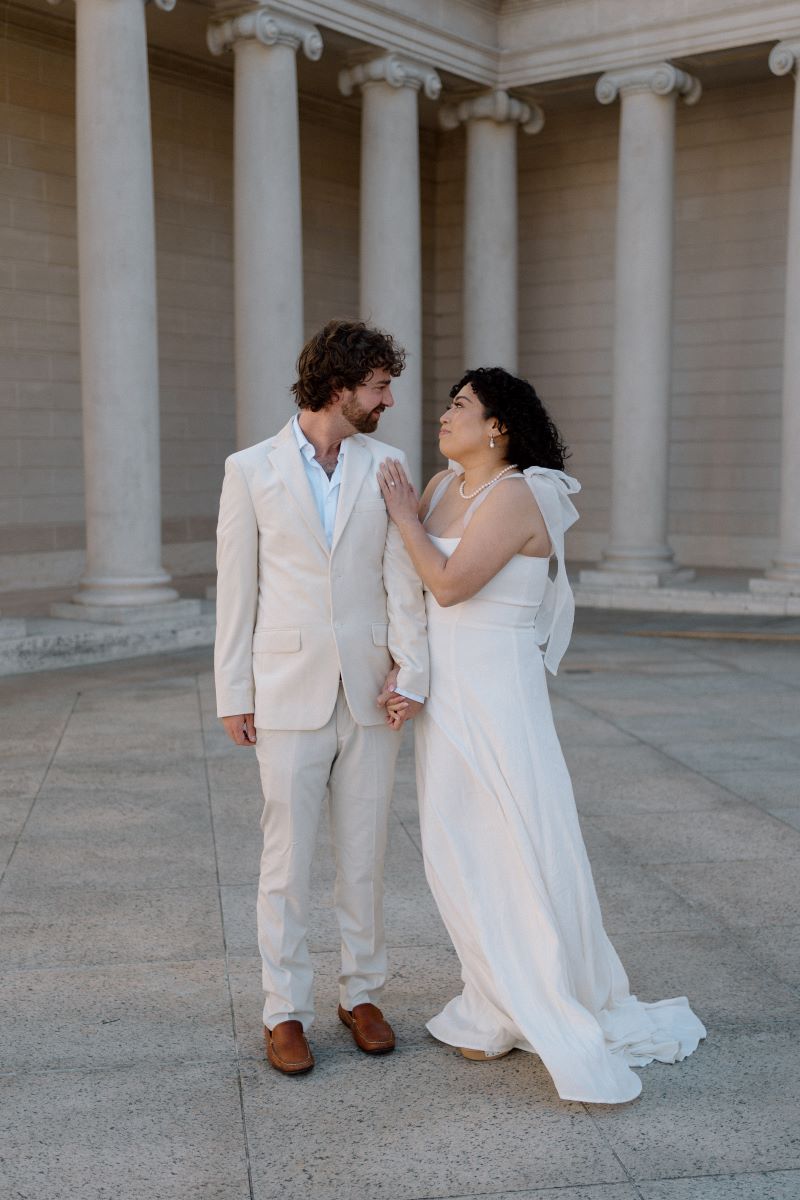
380, 635
276, 641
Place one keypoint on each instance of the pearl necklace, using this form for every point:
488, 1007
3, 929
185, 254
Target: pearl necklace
471, 495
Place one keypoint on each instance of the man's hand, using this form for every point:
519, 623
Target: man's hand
400, 709
240, 730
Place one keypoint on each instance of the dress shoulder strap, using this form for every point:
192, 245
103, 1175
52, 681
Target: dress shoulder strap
479, 499
439, 491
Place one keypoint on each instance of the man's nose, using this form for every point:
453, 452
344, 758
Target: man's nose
388, 399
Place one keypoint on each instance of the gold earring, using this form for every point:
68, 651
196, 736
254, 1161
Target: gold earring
491, 441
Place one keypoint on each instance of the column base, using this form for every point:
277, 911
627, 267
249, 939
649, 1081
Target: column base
777, 584
128, 614
644, 577
12, 627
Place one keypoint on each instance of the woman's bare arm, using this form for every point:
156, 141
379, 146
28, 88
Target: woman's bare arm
507, 520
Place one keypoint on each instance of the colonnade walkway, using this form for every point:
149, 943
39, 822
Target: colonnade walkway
132, 1064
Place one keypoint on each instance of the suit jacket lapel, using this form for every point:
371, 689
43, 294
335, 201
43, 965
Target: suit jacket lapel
287, 460
357, 462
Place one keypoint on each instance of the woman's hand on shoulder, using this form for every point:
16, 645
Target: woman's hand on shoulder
402, 501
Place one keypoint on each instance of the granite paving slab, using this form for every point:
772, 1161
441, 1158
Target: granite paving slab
357, 1127
143, 775
49, 927
771, 1185
725, 754
72, 810
137, 1132
744, 894
635, 899
723, 835
725, 984
777, 947
667, 788
14, 811
767, 785
600, 1191
159, 1013
114, 859
730, 1107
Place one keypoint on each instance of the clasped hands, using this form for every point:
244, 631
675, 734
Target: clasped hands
399, 708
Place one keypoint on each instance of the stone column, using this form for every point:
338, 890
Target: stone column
268, 254
784, 574
491, 302
638, 553
390, 253
118, 339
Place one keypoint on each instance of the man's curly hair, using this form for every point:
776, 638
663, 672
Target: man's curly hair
533, 439
342, 355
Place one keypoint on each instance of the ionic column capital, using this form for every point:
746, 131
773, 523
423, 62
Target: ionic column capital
393, 69
784, 57
264, 25
660, 78
495, 106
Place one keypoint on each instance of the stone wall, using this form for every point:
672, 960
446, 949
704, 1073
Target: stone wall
731, 197
41, 481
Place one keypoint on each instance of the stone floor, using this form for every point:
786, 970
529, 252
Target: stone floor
131, 1060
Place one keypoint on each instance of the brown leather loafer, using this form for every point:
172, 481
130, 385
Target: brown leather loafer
371, 1032
287, 1048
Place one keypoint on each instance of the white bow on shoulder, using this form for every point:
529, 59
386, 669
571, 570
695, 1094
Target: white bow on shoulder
556, 614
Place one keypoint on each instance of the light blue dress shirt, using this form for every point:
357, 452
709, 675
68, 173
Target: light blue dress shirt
326, 494
324, 490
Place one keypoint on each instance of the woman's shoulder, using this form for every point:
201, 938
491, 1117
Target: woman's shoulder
510, 498
430, 489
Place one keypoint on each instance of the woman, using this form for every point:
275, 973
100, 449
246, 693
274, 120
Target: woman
503, 849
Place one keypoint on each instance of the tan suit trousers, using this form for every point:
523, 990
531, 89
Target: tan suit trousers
354, 765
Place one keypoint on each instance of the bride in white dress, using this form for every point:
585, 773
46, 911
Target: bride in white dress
503, 850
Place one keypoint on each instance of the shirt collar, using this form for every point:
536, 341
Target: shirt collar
306, 448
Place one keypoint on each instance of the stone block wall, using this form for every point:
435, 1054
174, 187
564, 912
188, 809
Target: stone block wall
732, 163
41, 475
731, 198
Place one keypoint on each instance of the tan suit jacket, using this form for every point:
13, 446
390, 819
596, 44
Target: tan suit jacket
293, 617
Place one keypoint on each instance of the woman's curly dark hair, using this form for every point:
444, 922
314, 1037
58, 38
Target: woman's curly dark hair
533, 439
342, 355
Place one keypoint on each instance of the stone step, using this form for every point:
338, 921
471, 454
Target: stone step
48, 642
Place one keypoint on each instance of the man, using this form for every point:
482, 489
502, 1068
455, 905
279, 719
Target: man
316, 597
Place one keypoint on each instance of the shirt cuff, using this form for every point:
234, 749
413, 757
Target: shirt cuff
410, 695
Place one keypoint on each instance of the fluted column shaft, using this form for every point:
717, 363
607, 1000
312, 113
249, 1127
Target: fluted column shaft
390, 232
491, 301
268, 252
118, 336
643, 316
786, 567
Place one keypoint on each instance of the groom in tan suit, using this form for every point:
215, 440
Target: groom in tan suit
316, 598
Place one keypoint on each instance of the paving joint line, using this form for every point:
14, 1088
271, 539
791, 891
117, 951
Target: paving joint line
232, 1010
42, 782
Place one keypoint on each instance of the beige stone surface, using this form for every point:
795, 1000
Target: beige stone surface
131, 982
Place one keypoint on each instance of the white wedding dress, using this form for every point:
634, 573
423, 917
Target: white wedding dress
503, 850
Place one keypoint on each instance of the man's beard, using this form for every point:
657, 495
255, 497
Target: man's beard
363, 422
